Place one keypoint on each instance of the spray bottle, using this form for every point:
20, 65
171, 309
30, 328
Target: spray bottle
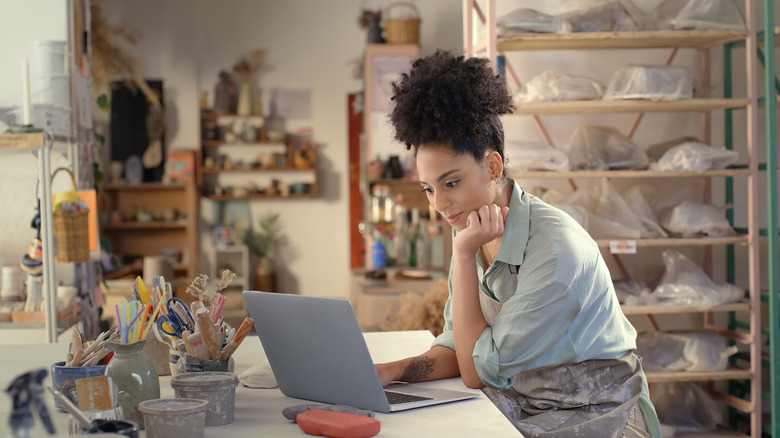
27, 390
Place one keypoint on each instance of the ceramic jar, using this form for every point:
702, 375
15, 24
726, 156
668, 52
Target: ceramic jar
135, 377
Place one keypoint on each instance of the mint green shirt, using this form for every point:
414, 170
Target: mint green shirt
562, 308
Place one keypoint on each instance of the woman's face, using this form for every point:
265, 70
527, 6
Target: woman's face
455, 185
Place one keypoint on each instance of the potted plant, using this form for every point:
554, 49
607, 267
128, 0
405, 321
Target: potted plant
261, 243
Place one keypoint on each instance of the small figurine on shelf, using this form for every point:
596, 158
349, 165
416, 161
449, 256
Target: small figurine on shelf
204, 101
225, 97
370, 20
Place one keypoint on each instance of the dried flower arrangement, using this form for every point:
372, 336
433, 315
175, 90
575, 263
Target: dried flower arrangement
251, 63
110, 60
199, 287
421, 312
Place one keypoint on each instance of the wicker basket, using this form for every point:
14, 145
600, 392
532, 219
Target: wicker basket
71, 231
402, 30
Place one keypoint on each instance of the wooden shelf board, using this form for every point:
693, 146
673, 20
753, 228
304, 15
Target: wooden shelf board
660, 309
619, 40
717, 433
259, 196
253, 170
153, 225
216, 143
216, 115
627, 106
681, 241
142, 187
130, 270
575, 174
394, 181
697, 376
33, 140
760, 41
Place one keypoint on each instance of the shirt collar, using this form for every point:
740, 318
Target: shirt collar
516, 228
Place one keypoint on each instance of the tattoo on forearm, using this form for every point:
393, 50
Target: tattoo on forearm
419, 368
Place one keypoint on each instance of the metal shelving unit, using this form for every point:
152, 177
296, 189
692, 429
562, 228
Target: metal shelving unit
41, 143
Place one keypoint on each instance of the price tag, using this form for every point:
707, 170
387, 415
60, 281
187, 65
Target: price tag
622, 246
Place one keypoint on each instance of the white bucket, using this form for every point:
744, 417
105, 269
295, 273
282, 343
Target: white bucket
52, 90
50, 57
11, 283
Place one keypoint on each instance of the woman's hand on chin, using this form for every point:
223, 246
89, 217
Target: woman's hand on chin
482, 226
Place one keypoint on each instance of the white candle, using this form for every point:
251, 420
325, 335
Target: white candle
26, 110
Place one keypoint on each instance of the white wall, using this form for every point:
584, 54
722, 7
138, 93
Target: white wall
309, 45
20, 24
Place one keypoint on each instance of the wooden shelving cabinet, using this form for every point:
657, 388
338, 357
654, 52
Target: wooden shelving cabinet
492, 45
171, 224
234, 165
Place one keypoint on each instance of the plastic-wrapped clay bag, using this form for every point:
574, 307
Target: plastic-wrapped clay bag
630, 291
699, 15
602, 148
528, 155
690, 219
688, 406
525, 20
551, 86
608, 216
685, 283
650, 82
598, 16
684, 351
635, 199
695, 157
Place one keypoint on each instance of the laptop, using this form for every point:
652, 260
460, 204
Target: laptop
317, 352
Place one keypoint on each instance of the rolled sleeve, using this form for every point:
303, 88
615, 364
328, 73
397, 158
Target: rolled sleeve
522, 336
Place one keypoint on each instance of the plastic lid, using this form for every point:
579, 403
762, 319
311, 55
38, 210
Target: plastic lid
208, 380
173, 406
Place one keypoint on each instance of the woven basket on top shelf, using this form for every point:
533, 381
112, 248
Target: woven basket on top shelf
71, 230
402, 30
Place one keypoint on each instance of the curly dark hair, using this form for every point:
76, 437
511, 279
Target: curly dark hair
450, 99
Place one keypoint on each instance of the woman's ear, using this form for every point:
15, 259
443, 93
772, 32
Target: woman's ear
495, 164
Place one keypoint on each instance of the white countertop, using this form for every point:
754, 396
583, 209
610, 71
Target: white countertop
258, 412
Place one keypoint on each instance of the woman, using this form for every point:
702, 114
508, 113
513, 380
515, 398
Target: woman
532, 316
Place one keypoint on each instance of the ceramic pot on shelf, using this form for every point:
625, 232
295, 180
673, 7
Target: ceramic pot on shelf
244, 107
264, 275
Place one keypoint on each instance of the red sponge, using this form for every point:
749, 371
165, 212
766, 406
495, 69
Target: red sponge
337, 424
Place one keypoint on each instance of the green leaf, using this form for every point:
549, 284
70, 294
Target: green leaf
103, 102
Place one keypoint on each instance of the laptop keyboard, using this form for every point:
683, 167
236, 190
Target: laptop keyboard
395, 398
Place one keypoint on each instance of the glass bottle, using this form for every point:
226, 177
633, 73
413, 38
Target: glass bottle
135, 377
378, 253
423, 245
413, 228
377, 205
389, 209
400, 234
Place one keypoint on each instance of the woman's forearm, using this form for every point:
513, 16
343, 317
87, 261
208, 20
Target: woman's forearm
468, 323
437, 363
